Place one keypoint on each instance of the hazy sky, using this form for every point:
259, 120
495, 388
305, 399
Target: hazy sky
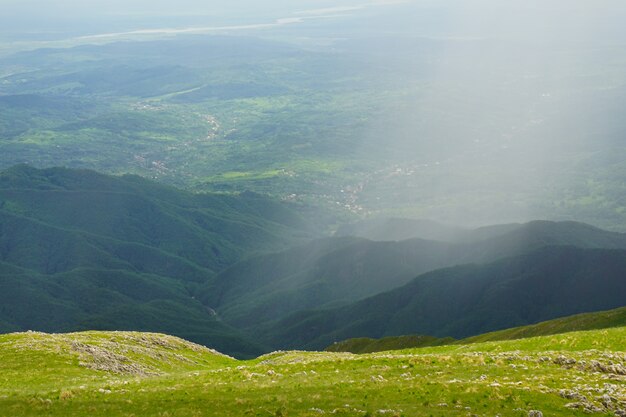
195, 6
521, 15
59, 20
90, 7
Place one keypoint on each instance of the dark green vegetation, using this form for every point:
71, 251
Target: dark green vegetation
578, 322
122, 374
81, 250
472, 299
455, 130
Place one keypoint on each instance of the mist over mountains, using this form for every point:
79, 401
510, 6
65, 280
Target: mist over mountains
81, 250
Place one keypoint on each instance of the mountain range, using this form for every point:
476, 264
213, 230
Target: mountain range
82, 250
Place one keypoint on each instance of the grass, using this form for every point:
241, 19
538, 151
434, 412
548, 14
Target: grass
78, 375
586, 321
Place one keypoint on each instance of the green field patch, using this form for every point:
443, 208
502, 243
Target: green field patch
245, 176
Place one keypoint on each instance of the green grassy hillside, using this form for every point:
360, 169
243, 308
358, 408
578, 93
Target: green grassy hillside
124, 374
369, 345
81, 250
468, 300
578, 322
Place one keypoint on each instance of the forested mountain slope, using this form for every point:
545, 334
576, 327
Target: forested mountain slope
329, 272
467, 300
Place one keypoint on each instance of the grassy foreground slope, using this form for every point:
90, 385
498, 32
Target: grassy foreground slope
124, 374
